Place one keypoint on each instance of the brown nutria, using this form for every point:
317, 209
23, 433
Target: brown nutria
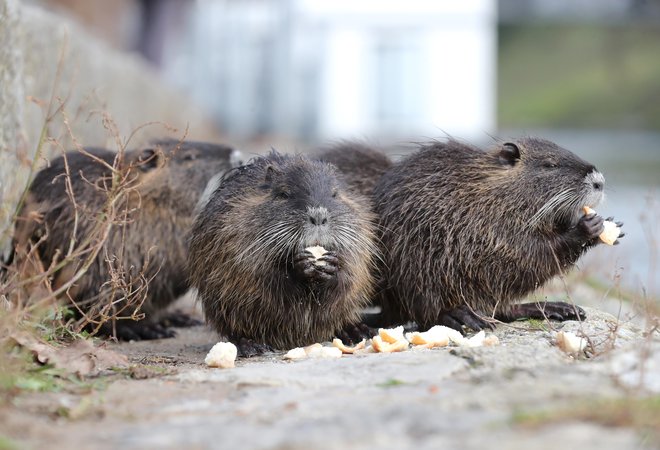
258, 284
359, 165
146, 245
467, 232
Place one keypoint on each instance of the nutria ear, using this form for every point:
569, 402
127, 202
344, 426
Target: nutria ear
147, 159
509, 154
270, 172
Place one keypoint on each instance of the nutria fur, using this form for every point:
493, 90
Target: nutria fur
256, 282
166, 182
468, 231
359, 165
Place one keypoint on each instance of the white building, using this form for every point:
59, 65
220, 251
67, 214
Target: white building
334, 69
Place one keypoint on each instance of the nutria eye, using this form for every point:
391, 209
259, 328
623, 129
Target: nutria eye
189, 157
550, 165
282, 195
334, 194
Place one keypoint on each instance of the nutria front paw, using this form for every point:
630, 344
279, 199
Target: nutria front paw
619, 224
126, 330
179, 319
247, 348
591, 226
354, 333
463, 315
307, 267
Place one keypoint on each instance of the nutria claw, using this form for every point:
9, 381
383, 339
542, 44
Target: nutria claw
463, 315
611, 219
619, 224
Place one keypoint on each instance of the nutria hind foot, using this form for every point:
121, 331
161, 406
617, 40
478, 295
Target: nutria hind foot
131, 330
354, 333
248, 348
178, 319
560, 311
456, 318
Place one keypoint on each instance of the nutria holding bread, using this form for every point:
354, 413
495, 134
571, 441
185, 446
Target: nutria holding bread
359, 165
147, 243
251, 254
467, 232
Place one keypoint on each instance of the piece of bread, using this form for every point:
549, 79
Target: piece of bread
610, 233
570, 343
317, 251
222, 355
391, 335
385, 347
346, 349
314, 351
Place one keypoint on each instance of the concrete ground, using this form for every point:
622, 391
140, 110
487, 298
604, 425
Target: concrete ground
524, 393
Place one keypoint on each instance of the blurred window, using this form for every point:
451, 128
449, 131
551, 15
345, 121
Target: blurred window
398, 82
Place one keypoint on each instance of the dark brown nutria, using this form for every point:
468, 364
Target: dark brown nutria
466, 232
359, 165
258, 285
146, 243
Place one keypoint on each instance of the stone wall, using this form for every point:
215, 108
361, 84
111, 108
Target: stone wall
48, 63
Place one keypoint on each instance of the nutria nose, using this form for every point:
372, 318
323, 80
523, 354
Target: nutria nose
595, 179
318, 216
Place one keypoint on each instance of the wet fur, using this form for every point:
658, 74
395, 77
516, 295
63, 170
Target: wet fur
359, 165
244, 242
167, 178
460, 226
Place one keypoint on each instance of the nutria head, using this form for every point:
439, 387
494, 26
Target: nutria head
537, 184
288, 203
176, 172
559, 182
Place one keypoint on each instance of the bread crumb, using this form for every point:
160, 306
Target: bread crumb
570, 343
381, 346
346, 349
392, 335
435, 337
296, 353
314, 351
222, 355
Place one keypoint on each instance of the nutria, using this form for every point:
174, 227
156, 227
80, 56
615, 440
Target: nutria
359, 165
258, 285
146, 245
467, 232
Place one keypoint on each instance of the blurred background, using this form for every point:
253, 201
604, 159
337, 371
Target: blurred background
300, 73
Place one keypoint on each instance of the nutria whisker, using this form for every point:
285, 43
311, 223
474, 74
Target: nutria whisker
550, 207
